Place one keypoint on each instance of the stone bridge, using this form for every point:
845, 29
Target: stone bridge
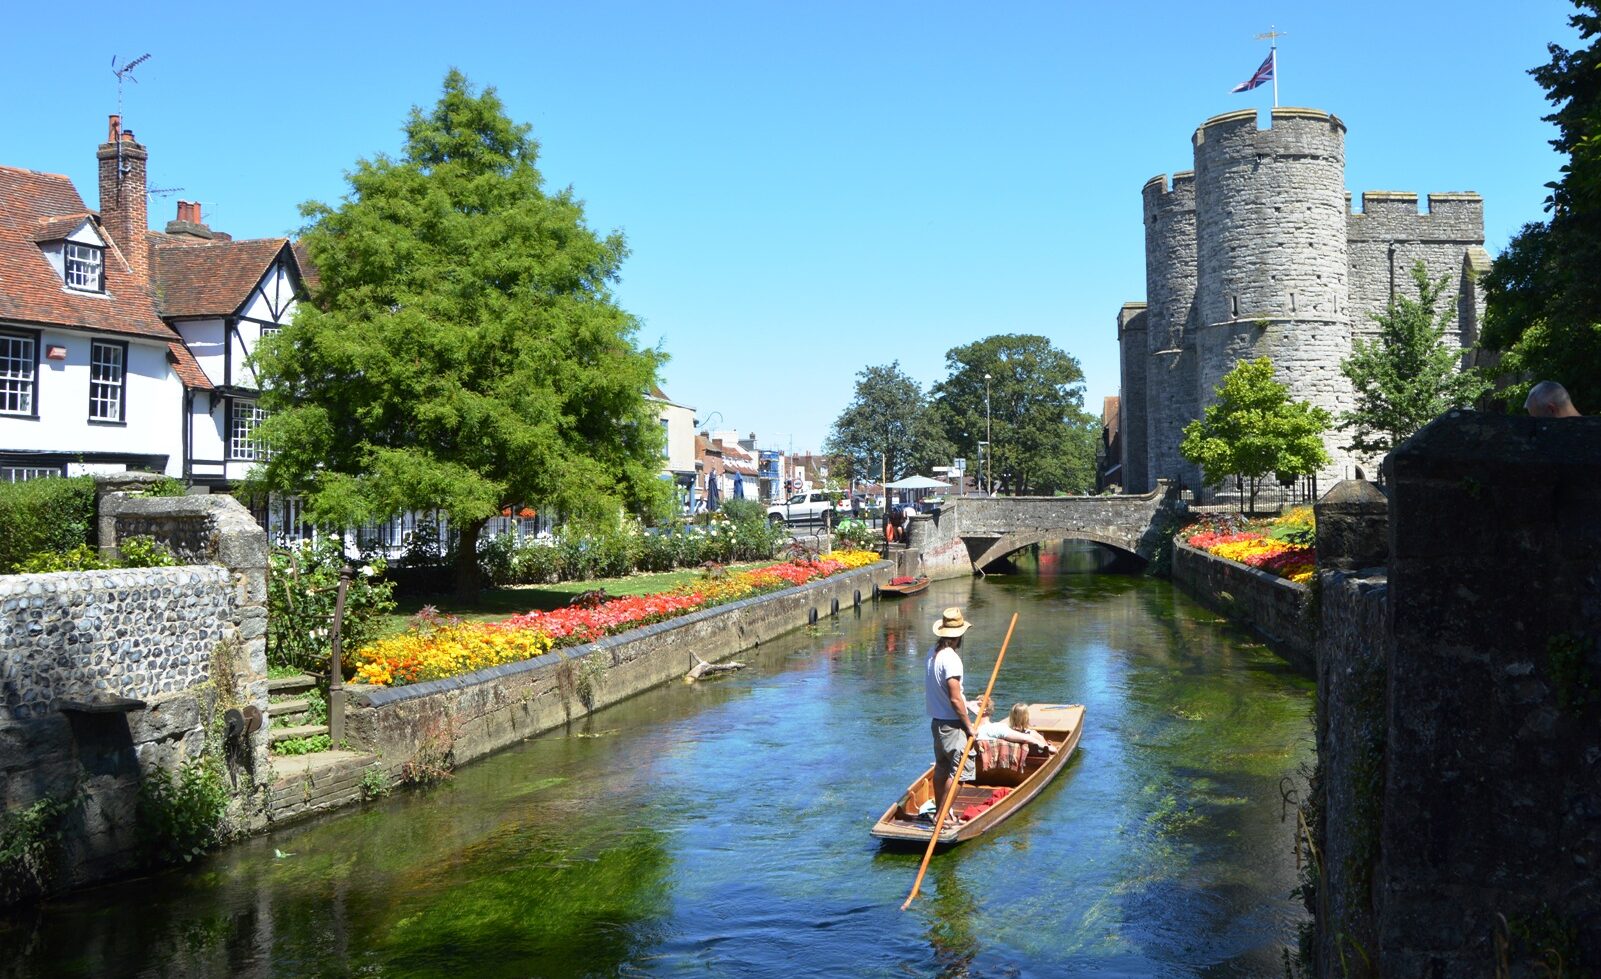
971, 533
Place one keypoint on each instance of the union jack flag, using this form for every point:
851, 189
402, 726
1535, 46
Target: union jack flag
1263, 75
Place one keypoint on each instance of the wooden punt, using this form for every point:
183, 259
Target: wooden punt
1061, 725
905, 588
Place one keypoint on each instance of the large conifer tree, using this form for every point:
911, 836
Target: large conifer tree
461, 349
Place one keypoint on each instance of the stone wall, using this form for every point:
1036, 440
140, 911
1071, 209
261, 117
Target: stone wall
475, 714
1492, 798
1352, 652
109, 675
135, 632
1273, 607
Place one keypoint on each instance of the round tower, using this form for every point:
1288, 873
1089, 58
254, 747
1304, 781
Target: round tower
1170, 276
1270, 217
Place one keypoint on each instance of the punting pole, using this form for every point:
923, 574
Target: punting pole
956, 777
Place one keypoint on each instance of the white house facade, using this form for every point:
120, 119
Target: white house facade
89, 373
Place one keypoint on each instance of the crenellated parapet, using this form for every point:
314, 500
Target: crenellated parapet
1389, 236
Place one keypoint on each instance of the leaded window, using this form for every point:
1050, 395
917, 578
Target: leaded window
85, 265
19, 372
107, 381
242, 444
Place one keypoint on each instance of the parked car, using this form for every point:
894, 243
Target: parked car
814, 506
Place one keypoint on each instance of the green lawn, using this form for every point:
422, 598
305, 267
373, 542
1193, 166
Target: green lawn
495, 604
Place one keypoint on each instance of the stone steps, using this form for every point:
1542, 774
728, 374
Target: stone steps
284, 710
291, 684
278, 734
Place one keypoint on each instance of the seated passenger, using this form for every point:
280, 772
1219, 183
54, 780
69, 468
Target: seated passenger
1015, 728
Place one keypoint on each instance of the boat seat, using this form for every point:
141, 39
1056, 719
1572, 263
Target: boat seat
1000, 762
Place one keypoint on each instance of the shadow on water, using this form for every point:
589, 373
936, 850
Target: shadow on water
721, 828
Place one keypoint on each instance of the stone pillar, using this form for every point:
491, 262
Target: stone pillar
1353, 526
1492, 798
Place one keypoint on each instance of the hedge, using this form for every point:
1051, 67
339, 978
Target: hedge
45, 515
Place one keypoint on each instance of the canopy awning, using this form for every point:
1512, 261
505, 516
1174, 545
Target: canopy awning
917, 482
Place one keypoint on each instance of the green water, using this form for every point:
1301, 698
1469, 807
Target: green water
721, 829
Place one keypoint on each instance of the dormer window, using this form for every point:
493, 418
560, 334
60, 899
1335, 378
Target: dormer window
85, 265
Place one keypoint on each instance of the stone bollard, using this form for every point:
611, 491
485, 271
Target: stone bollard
1353, 526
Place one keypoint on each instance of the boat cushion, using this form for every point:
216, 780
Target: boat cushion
1000, 762
903, 580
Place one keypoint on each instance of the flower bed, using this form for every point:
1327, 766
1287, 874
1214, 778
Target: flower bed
1281, 547
439, 647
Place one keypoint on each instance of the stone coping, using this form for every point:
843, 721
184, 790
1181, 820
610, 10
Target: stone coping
373, 696
1271, 579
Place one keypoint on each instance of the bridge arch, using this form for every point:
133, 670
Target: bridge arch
986, 551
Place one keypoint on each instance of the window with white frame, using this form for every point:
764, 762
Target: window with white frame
85, 265
242, 444
19, 373
107, 381
17, 474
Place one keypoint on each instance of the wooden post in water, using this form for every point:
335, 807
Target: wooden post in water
336, 670
961, 763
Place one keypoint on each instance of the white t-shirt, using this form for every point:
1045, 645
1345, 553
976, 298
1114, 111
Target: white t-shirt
995, 730
941, 666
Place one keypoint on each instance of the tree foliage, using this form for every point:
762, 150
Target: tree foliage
1255, 428
1042, 439
888, 427
1408, 375
1543, 294
461, 349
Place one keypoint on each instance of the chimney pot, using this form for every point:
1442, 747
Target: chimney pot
113, 128
127, 135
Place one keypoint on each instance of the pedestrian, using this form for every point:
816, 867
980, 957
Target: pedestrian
947, 705
1548, 399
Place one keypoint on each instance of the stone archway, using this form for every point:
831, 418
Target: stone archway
986, 551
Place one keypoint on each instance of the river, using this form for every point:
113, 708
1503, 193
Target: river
721, 829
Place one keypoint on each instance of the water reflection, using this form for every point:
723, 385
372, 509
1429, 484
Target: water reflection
721, 828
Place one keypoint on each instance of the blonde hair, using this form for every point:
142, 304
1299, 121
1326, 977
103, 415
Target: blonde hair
1019, 717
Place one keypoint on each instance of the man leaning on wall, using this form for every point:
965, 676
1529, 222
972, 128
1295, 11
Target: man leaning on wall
1548, 399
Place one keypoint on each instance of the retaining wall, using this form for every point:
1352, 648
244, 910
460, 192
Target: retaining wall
481, 712
1275, 608
107, 676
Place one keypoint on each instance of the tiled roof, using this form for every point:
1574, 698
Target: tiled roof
55, 229
186, 367
210, 279
32, 292
308, 271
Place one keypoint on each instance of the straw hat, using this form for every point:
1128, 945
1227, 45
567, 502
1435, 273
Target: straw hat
950, 624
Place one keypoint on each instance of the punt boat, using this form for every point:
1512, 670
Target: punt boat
1061, 725
904, 586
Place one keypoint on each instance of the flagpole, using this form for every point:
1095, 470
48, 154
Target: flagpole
1274, 51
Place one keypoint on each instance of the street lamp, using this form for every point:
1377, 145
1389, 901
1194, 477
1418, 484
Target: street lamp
989, 477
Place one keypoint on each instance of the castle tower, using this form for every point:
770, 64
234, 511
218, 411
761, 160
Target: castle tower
1133, 355
1170, 277
1272, 265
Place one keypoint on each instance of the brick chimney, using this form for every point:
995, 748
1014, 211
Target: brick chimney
189, 222
124, 209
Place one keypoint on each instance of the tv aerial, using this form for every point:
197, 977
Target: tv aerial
126, 71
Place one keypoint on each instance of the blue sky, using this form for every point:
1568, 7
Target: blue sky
807, 188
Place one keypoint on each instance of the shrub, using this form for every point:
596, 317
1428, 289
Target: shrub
300, 603
497, 556
142, 551
855, 534
182, 816
80, 558
166, 486
45, 515
30, 841
535, 563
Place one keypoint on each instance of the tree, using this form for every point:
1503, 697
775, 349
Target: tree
1543, 295
888, 427
1408, 375
461, 349
1042, 441
1254, 429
